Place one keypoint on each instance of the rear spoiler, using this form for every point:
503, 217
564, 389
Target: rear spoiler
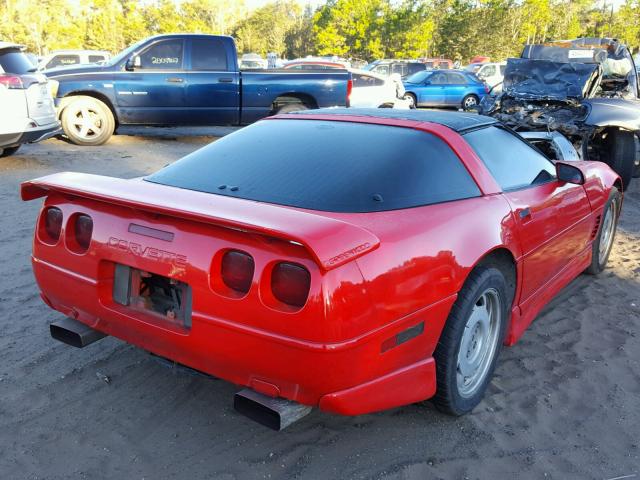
332, 242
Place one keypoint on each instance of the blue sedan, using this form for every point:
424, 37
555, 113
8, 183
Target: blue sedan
444, 88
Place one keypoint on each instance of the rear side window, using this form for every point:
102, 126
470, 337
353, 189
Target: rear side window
208, 54
456, 78
63, 61
14, 61
512, 161
96, 58
327, 166
165, 55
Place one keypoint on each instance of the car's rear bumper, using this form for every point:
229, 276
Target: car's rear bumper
350, 377
30, 135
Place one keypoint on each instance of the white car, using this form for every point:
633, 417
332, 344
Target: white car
371, 90
491, 73
67, 58
27, 114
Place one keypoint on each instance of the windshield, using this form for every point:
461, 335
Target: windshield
419, 77
294, 163
126, 53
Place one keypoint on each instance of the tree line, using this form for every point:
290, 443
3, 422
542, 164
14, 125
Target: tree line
357, 29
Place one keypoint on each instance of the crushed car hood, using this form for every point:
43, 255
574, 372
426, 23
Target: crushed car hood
528, 79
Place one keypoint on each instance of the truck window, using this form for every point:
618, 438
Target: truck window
209, 54
63, 60
165, 55
96, 58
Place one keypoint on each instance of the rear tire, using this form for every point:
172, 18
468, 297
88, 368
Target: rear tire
621, 147
601, 247
471, 341
87, 121
8, 151
470, 101
291, 107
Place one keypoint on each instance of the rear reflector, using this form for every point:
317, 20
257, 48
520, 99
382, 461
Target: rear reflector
349, 90
290, 283
11, 81
52, 224
83, 230
402, 337
237, 270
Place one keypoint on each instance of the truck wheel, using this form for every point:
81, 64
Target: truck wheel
87, 121
5, 152
471, 341
620, 154
291, 107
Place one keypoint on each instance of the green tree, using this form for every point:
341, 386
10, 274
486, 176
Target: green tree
351, 28
300, 39
104, 27
265, 29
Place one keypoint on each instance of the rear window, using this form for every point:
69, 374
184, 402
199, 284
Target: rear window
96, 58
14, 61
328, 166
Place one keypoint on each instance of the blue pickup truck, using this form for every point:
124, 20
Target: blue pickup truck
183, 79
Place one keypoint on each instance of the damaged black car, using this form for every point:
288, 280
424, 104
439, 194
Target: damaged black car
586, 89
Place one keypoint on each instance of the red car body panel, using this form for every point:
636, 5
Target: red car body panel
373, 275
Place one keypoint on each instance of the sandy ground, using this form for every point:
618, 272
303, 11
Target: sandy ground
565, 402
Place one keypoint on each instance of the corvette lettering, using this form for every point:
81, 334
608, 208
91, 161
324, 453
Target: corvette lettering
147, 252
348, 254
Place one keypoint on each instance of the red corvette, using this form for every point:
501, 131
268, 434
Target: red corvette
352, 260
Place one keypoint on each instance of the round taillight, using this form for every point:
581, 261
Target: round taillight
52, 224
237, 270
290, 283
83, 229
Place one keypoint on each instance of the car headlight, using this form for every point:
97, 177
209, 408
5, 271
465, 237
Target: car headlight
53, 88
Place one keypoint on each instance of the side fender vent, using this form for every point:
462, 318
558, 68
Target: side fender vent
596, 226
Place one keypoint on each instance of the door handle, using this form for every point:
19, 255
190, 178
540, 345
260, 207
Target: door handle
225, 80
525, 213
175, 80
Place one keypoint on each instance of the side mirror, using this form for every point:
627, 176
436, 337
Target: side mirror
569, 174
133, 63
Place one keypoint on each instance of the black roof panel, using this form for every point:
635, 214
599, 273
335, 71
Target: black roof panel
458, 121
